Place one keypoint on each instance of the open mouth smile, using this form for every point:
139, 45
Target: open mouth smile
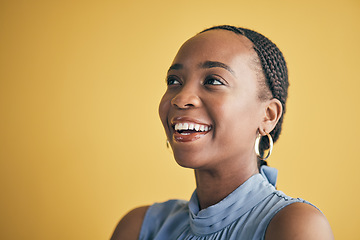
189, 131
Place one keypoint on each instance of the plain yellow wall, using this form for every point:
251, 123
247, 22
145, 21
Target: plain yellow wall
80, 138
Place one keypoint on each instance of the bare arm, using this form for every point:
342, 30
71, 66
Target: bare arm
299, 221
129, 226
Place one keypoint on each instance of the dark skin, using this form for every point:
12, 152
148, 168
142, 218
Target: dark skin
212, 83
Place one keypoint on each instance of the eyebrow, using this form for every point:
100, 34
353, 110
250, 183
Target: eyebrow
176, 66
207, 64
213, 64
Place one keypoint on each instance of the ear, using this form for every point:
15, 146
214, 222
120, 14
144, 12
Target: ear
273, 112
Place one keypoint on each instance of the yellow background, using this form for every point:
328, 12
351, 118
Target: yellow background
80, 81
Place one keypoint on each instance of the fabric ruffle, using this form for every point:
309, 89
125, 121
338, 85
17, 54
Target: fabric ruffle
218, 216
269, 174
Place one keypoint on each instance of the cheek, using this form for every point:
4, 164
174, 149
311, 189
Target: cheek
164, 107
237, 119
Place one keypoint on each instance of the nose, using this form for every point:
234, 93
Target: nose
186, 98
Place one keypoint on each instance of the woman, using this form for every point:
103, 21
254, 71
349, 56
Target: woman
227, 89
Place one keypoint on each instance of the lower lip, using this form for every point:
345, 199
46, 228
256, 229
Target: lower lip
188, 138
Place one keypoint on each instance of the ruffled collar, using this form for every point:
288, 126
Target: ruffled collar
237, 203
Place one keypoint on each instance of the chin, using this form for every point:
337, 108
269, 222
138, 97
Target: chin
187, 160
191, 161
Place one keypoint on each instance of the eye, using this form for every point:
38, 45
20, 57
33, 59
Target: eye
213, 81
172, 81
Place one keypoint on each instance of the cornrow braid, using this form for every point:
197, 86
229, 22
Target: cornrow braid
274, 70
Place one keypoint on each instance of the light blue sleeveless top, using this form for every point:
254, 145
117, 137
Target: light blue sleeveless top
243, 214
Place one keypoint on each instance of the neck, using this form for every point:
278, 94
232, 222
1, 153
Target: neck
212, 186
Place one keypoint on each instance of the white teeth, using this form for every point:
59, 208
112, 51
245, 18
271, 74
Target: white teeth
185, 133
191, 126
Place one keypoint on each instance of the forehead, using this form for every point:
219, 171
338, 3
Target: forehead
216, 45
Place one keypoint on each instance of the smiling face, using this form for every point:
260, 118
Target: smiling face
211, 110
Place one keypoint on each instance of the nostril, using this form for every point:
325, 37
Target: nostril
180, 105
188, 101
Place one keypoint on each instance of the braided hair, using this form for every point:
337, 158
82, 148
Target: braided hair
273, 72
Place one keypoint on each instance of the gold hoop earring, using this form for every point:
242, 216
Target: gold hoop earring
168, 146
257, 146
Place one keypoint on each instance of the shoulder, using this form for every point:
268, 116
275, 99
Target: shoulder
130, 225
299, 221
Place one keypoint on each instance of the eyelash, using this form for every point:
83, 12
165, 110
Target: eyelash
170, 81
212, 79
208, 81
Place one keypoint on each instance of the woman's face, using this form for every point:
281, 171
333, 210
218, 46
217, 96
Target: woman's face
211, 111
